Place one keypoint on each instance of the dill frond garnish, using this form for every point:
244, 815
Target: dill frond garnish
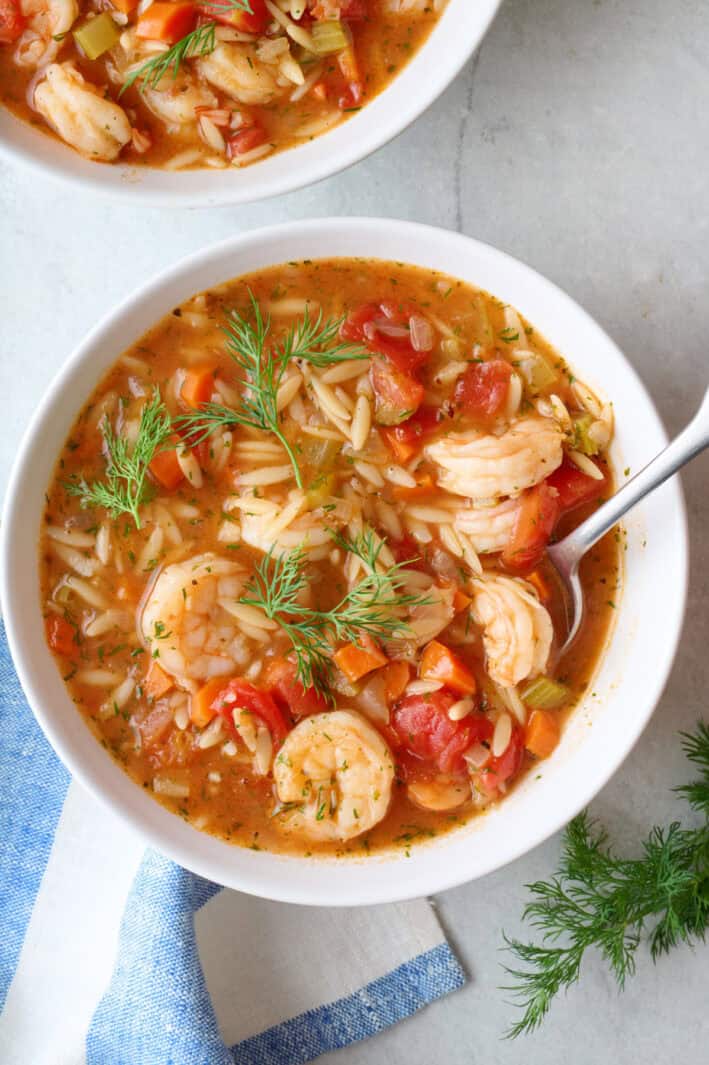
371, 607
598, 900
124, 488
199, 42
312, 340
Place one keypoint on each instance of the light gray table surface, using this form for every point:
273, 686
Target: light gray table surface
577, 140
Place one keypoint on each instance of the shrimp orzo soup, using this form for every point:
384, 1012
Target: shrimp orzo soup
180, 84
293, 562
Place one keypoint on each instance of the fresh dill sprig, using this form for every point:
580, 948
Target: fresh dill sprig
597, 900
124, 488
263, 365
371, 607
199, 42
275, 588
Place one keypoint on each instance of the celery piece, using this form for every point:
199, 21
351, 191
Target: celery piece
328, 37
543, 693
320, 490
582, 441
97, 35
320, 455
537, 373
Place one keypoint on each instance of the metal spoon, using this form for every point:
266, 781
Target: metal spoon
567, 554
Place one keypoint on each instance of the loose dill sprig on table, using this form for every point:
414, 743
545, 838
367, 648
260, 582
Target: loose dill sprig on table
367, 607
599, 900
124, 488
199, 42
312, 340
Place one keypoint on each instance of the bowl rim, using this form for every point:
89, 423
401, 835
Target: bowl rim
125, 184
89, 773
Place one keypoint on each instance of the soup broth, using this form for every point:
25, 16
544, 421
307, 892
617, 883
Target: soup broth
323, 622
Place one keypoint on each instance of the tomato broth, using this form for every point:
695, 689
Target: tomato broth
293, 562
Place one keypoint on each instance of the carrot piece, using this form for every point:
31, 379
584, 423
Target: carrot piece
126, 6
201, 709
460, 600
198, 385
61, 636
424, 486
396, 677
542, 733
166, 470
167, 22
157, 682
319, 91
356, 660
540, 584
438, 662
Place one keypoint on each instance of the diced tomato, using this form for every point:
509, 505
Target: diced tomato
502, 769
360, 326
12, 21
422, 724
280, 678
61, 636
254, 21
408, 552
397, 395
168, 22
354, 10
406, 439
575, 487
482, 390
537, 515
242, 695
245, 141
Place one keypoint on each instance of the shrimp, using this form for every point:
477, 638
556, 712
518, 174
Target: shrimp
517, 629
186, 623
488, 528
339, 771
483, 466
440, 793
174, 99
96, 127
235, 70
46, 20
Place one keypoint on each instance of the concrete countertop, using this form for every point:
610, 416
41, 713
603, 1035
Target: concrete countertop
577, 141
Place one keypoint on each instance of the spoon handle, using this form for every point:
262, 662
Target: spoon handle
693, 439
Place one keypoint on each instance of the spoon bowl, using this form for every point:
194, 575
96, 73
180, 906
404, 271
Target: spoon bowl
567, 554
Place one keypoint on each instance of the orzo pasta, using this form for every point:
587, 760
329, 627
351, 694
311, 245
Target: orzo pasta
293, 565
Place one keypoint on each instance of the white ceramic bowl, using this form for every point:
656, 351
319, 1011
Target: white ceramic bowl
455, 37
602, 730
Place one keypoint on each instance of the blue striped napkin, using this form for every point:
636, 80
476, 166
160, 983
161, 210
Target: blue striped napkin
113, 956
